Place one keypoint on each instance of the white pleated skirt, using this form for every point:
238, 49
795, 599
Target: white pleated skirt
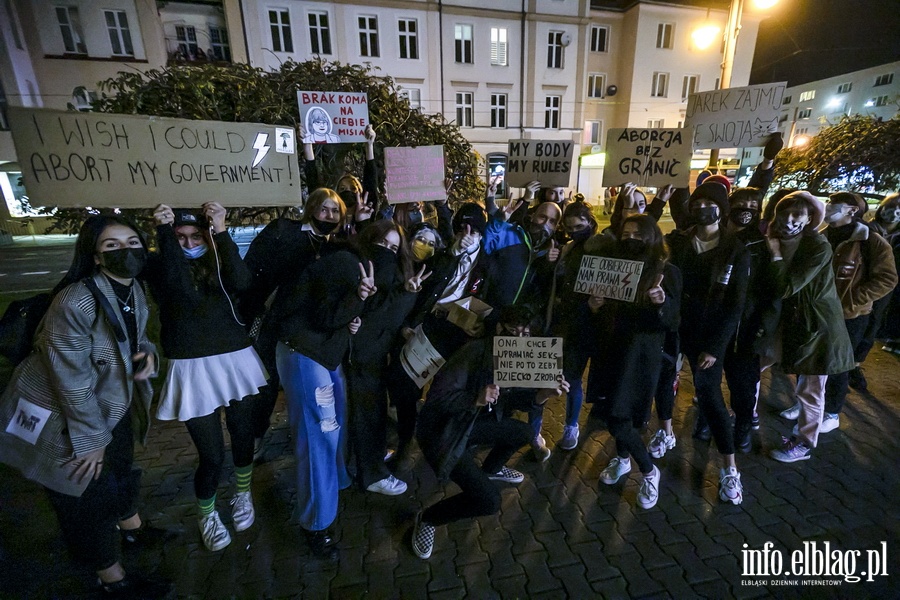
196, 387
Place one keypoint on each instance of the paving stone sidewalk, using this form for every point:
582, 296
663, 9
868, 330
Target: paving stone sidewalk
559, 534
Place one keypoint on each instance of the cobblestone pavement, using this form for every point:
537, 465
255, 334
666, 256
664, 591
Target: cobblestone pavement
559, 533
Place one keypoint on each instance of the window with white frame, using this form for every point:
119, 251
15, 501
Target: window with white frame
844, 88
886, 79
413, 96
804, 113
689, 85
656, 123
787, 100
555, 50
593, 132
368, 36
119, 34
186, 36
665, 34
498, 110
498, 46
280, 28
319, 32
70, 28
599, 38
463, 36
409, 38
807, 96
551, 112
596, 83
218, 43
879, 101
464, 109
659, 87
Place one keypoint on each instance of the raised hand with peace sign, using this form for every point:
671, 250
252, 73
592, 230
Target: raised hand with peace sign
366, 282
414, 283
511, 207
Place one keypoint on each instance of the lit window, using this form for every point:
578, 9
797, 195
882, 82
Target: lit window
807, 96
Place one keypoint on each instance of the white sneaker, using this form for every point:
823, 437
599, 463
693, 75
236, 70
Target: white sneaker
830, 422
648, 494
539, 448
242, 511
215, 536
614, 471
389, 486
730, 488
569, 438
660, 443
791, 413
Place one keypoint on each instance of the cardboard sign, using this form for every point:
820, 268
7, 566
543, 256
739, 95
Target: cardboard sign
414, 174
75, 159
467, 312
334, 117
547, 161
527, 362
420, 359
648, 157
741, 117
613, 278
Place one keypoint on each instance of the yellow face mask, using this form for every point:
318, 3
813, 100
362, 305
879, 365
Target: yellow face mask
422, 250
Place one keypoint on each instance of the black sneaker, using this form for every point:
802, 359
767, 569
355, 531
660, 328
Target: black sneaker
322, 544
136, 587
858, 380
145, 537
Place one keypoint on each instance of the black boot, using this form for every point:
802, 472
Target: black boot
322, 544
858, 380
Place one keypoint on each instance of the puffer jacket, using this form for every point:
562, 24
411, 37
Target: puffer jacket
864, 271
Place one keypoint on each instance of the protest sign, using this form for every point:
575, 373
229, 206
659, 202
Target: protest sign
420, 359
547, 161
334, 117
73, 159
741, 117
414, 174
648, 157
528, 362
609, 277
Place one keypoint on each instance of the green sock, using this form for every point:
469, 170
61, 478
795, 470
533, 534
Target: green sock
243, 476
208, 506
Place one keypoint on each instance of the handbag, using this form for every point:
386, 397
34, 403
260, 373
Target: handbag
18, 325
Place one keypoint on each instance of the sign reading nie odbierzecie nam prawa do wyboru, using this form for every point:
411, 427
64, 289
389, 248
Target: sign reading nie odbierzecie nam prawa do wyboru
73, 159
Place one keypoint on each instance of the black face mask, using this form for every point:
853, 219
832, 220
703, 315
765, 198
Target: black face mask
349, 198
744, 217
706, 215
539, 234
580, 235
323, 227
633, 247
414, 217
126, 263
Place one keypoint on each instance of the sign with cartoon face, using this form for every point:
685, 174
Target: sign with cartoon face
742, 117
333, 117
76, 159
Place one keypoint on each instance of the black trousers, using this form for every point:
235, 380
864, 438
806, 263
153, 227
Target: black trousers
742, 375
876, 319
665, 389
206, 432
837, 386
708, 385
629, 442
479, 495
264, 401
89, 522
405, 395
367, 402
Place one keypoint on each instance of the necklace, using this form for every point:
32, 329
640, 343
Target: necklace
126, 305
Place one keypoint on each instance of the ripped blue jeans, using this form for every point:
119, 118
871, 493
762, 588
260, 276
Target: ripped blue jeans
316, 405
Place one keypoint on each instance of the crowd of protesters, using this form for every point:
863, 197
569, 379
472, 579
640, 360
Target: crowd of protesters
327, 307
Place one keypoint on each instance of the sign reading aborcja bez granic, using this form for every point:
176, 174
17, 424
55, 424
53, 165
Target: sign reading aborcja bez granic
73, 159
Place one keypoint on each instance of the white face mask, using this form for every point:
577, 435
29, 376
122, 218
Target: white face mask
834, 212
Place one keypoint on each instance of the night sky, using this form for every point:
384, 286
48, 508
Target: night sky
806, 40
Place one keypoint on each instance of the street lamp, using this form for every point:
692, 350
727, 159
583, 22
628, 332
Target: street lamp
732, 29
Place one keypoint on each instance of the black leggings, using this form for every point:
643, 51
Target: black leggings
837, 386
89, 521
708, 386
206, 432
479, 495
629, 442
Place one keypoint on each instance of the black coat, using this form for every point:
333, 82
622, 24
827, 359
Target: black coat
631, 337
